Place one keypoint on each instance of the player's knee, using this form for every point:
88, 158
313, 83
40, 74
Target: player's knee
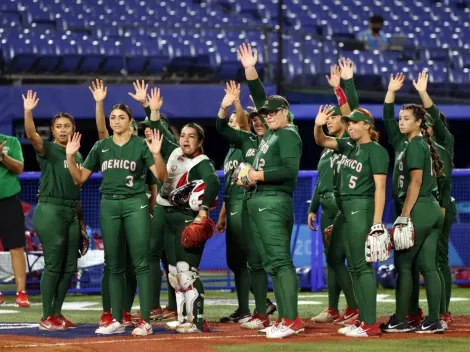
186, 274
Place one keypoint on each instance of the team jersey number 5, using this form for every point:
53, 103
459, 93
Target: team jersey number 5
130, 181
352, 182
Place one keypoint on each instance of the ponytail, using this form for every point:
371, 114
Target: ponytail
374, 135
437, 164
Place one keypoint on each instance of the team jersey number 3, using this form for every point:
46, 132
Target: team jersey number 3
130, 181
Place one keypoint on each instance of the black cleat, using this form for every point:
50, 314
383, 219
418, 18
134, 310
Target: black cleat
429, 327
394, 325
236, 317
270, 307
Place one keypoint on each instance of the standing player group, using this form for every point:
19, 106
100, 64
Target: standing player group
157, 192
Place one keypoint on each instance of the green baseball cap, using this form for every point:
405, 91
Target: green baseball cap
358, 116
274, 104
336, 110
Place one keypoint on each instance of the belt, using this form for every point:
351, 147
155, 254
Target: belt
342, 198
59, 201
119, 196
253, 194
327, 195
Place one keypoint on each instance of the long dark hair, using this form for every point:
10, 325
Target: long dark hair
420, 114
64, 115
124, 108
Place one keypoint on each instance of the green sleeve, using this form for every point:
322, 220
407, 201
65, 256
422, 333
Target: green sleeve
415, 157
443, 136
147, 155
257, 92
391, 125
205, 170
169, 140
351, 94
147, 112
344, 145
289, 152
379, 160
15, 151
315, 202
235, 137
92, 161
444, 185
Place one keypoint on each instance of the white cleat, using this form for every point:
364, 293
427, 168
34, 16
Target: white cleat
349, 328
327, 316
172, 325
256, 322
265, 330
187, 328
143, 329
286, 328
114, 327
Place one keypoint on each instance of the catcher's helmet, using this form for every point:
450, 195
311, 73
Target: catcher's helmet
189, 195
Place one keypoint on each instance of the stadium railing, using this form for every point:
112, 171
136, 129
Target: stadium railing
306, 245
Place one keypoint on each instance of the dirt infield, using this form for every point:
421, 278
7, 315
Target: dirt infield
224, 334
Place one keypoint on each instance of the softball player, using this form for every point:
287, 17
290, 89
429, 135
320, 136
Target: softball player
444, 141
55, 217
337, 277
123, 160
247, 143
185, 163
361, 189
415, 188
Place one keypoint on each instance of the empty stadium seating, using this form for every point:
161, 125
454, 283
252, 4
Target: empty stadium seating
165, 37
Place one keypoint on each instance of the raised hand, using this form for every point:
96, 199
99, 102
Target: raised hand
248, 57
324, 113
30, 101
347, 68
422, 83
140, 94
155, 144
232, 93
73, 144
98, 90
155, 99
334, 78
396, 83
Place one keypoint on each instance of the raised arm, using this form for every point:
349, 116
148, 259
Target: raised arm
248, 58
155, 146
140, 94
347, 74
99, 93
13, 160
391, 125
30, 102
320, 138
79, 176
334, 80
443, 135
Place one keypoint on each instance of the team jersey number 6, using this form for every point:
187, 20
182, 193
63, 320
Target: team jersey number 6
352, 182
130, 181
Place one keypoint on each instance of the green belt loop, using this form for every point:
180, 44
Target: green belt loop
118, 196
59, 201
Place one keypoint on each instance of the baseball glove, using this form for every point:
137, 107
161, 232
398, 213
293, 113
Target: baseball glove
241, 177
197, 232
378, 245
327, 233
84, 242
402, 233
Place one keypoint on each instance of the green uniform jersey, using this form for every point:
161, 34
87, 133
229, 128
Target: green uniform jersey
10, 184
232, 160
56, 180
359, 164
416, 155
247, 142
278, 156
444, 182
123, 167
441, 134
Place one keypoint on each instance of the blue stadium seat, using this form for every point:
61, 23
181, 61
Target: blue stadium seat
21, 56
92, 56
10, 19
48, 58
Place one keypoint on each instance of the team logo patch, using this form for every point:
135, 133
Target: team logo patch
181, 159
173, 167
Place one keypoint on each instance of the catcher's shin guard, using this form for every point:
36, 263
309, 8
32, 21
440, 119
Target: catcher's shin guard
179, 292
186, 277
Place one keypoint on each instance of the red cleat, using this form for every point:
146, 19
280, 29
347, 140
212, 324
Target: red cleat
52, 324
169, 314
1, 299
68, 324
348, 317
127, 319
106, 319
416, 321
22, 300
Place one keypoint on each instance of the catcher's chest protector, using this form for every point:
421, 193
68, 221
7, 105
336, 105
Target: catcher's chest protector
178, 168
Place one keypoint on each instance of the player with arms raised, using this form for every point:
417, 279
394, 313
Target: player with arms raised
58, 217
